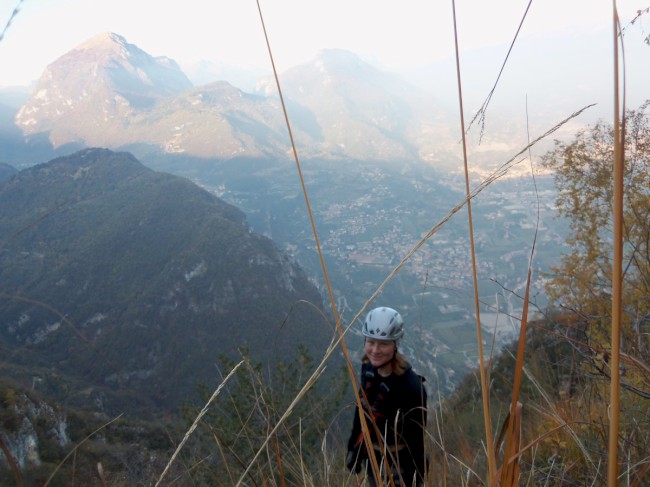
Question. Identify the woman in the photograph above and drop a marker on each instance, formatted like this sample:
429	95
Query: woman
394	403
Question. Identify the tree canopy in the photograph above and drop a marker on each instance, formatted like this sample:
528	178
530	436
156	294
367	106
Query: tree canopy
581	283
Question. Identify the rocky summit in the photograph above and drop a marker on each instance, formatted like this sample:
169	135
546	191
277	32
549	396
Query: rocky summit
87	95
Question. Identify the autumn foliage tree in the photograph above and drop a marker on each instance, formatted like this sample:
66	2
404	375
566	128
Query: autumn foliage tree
581	284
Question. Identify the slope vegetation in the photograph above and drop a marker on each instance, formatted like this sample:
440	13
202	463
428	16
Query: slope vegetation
124	285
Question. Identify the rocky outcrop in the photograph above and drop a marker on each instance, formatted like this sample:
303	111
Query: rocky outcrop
28	426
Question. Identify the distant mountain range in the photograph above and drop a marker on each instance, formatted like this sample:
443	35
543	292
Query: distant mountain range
121	286
110	93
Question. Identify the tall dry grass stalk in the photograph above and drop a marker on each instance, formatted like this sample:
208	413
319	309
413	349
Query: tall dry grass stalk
196	422
617	262
510	469
15	469
491	458
74	450
11	19
364	426
508	473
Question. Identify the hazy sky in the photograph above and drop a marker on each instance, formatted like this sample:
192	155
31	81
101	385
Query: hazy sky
392	34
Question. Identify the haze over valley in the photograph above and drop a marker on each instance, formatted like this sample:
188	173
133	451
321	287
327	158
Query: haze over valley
377	156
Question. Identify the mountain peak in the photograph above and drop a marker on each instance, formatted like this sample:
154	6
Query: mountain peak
104	40
116	45
104	71
338	56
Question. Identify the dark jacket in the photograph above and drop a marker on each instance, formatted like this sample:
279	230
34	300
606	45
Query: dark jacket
383	398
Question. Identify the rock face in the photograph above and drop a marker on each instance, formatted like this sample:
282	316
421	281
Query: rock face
28	423
122	286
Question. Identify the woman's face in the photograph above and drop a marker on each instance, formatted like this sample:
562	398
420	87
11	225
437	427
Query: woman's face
379	351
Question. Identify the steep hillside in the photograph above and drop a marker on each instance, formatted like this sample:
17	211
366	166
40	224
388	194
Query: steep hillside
216	120
6	170
122	286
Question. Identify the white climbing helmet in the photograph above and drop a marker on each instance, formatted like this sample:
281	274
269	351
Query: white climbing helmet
383	324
